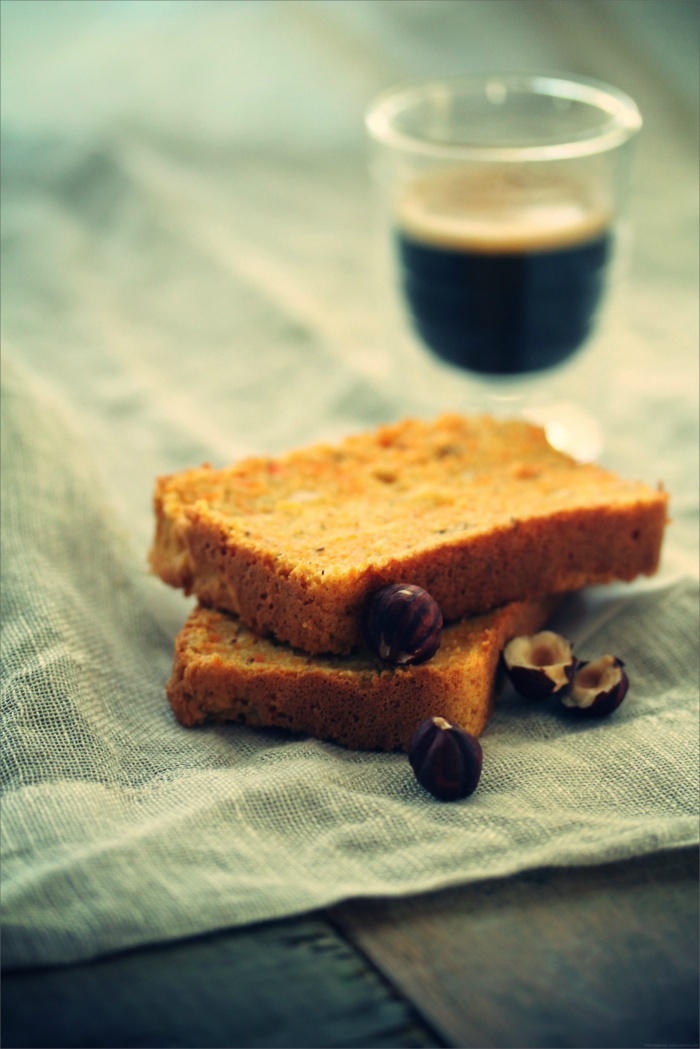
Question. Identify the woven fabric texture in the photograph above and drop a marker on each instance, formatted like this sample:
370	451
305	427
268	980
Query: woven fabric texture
188	282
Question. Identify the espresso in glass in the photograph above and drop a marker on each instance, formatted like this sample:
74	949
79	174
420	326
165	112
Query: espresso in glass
502	272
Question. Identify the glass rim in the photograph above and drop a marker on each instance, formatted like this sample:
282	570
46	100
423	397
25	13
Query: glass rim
620	116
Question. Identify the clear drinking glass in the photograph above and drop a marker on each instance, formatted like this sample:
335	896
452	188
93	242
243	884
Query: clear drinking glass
502	201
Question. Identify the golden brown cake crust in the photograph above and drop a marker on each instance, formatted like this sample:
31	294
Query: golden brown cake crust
480	512
224	672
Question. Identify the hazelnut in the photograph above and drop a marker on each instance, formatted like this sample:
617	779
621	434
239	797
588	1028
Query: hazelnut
446	760
403	624
598	687
539	665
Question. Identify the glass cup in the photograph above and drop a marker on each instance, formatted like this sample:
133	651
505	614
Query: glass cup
502	202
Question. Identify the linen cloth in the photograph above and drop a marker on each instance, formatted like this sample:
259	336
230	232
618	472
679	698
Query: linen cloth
186	277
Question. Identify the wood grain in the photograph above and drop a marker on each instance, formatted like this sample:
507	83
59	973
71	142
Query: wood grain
604	956
286	984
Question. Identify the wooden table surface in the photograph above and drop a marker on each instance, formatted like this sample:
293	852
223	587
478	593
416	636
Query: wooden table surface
603	956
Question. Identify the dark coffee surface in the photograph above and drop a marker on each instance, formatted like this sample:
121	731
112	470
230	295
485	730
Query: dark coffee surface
503	312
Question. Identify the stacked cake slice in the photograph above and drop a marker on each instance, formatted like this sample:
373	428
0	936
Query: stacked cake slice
284	553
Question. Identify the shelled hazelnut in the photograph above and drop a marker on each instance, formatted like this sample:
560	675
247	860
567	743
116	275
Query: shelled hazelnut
539	665
598	687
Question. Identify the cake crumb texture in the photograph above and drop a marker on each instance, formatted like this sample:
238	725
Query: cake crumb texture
478	511
222	672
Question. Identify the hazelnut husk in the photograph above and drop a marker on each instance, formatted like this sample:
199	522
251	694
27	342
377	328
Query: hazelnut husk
540	664
403	624
446	760
598	687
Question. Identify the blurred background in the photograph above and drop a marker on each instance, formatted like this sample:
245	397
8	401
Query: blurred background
241	69
187	214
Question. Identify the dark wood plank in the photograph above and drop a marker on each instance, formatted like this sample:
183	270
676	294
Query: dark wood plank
604	956
286	984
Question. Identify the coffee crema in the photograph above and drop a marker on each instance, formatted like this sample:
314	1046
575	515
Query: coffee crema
502	274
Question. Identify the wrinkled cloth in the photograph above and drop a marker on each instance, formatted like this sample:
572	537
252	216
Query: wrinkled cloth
187	277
